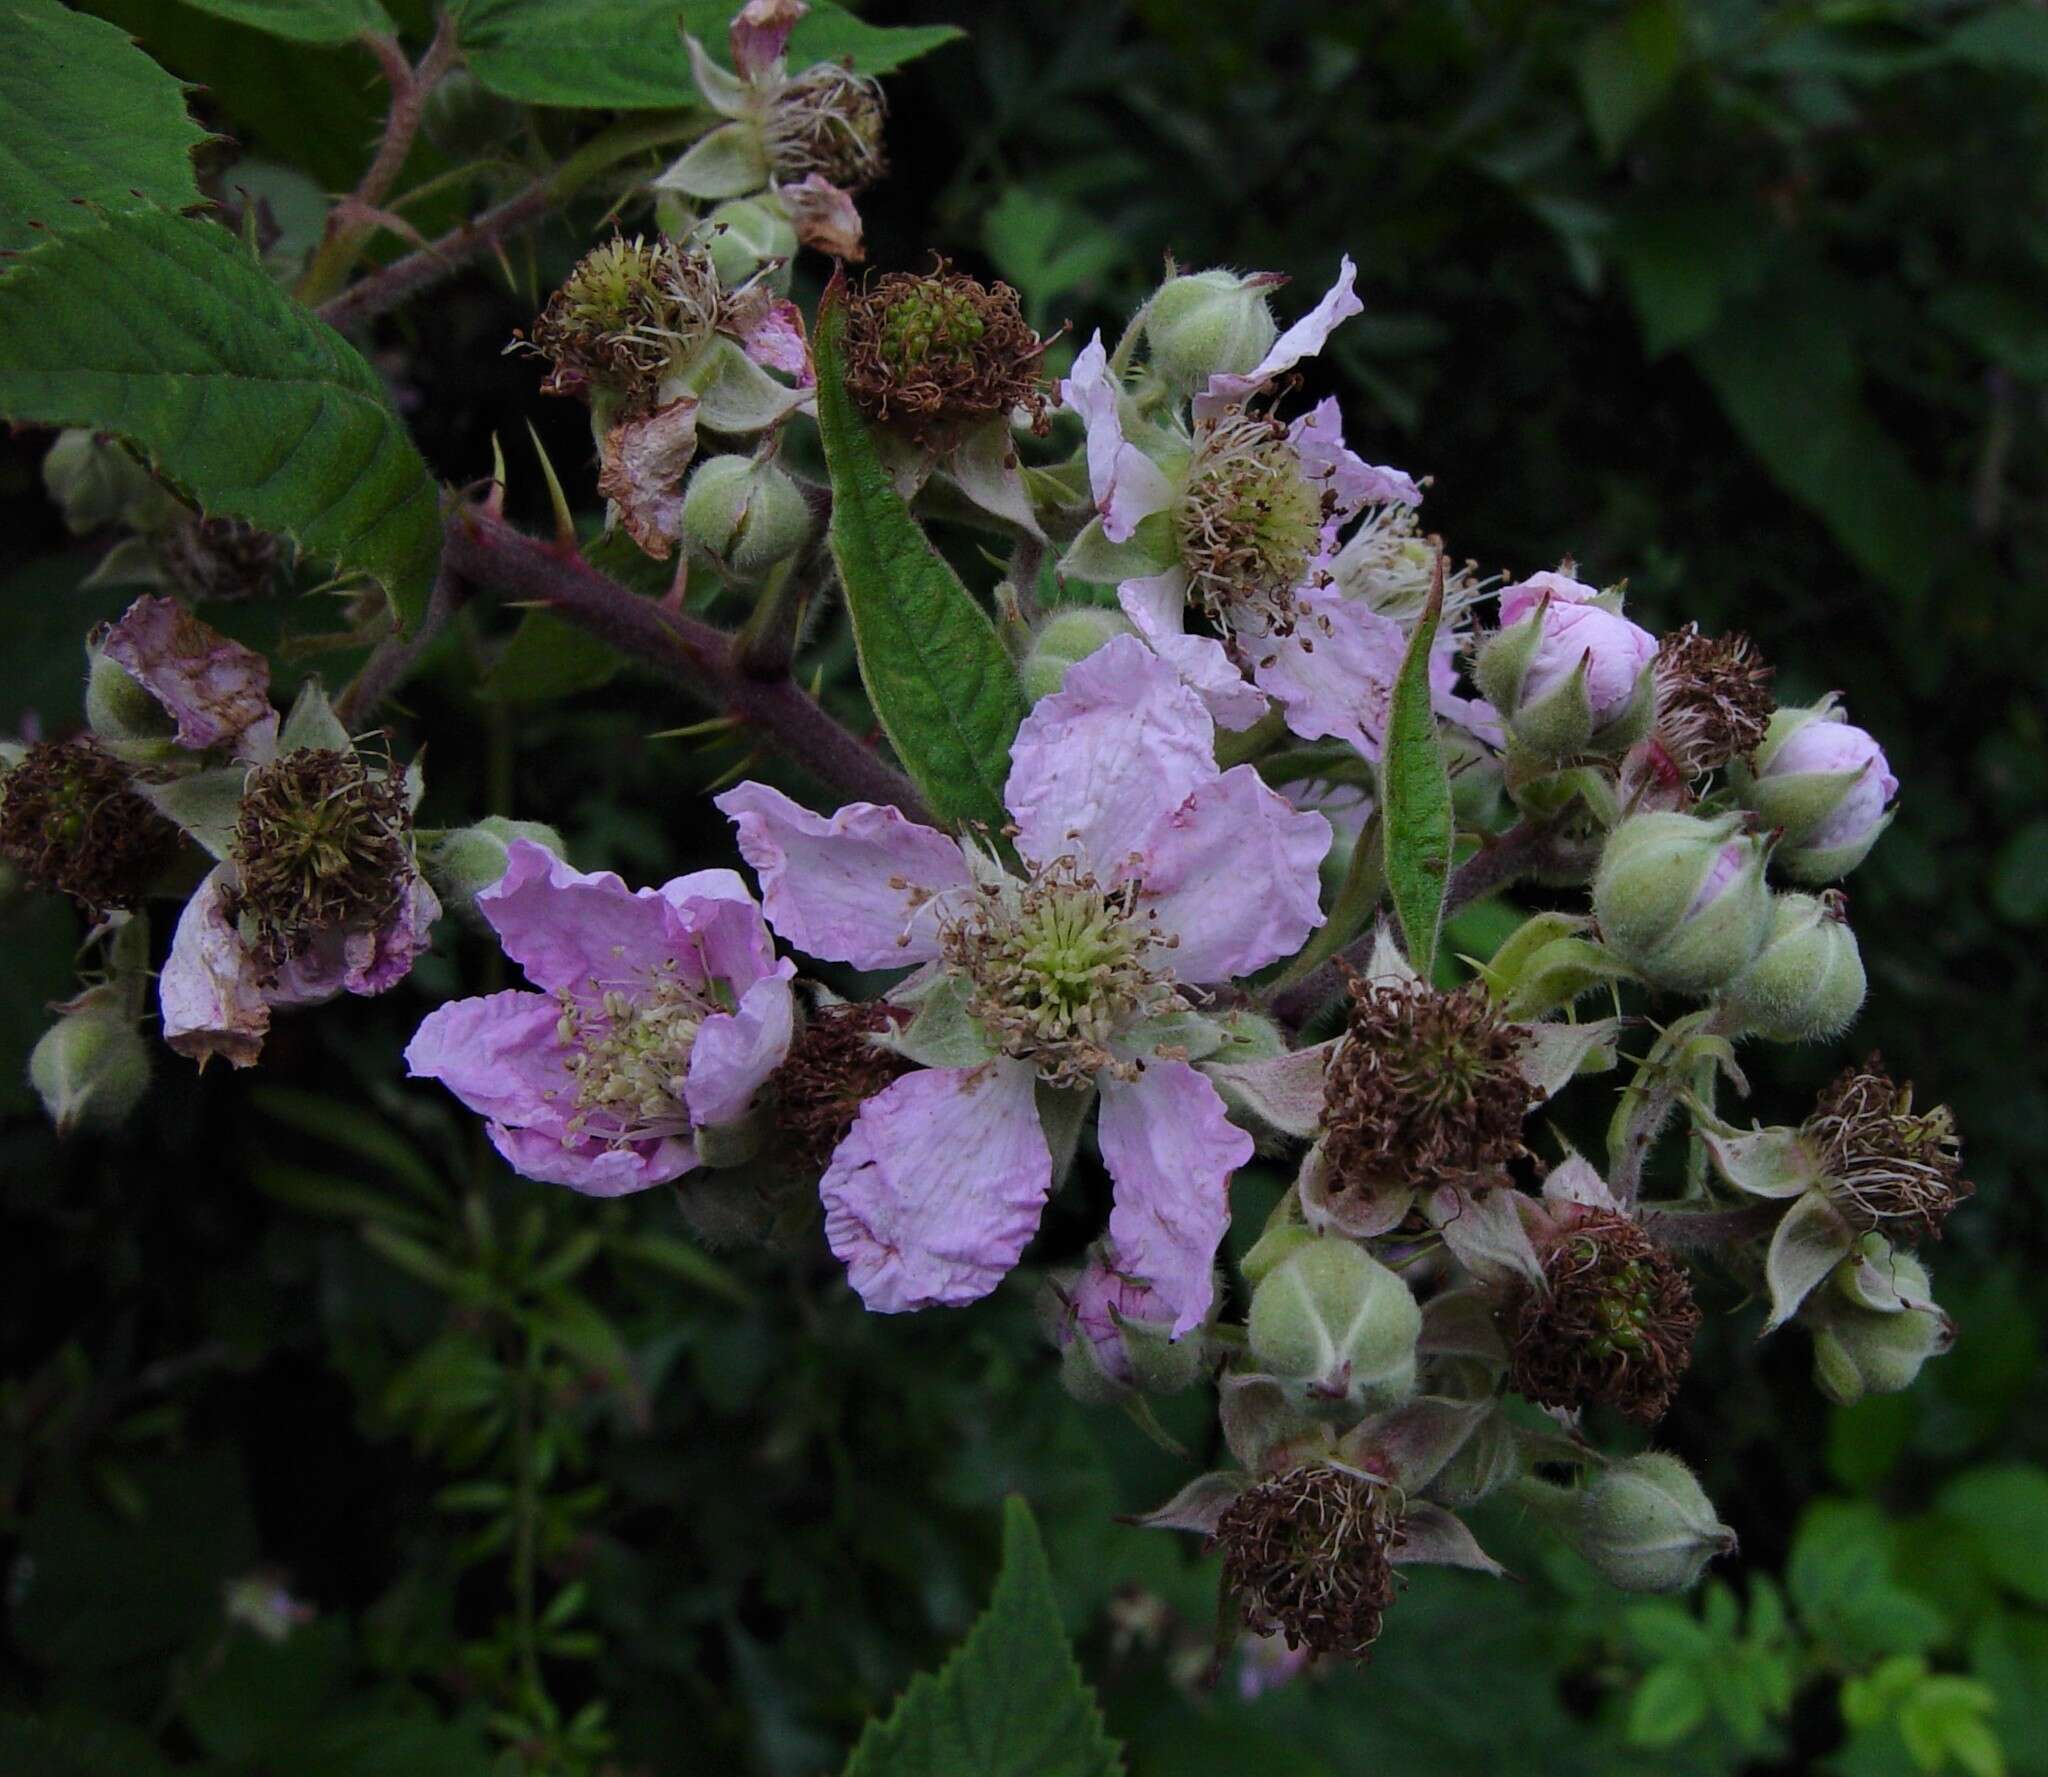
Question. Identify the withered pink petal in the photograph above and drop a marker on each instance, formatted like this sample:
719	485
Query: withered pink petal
216	690
824	217
641	466
760	33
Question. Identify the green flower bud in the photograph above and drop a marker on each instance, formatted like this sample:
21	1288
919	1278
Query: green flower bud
1115	1337
1861	1349
744	516
117	707
1808	982
466	120
1682	900
1207	323
464	861
1064	638
746	233
1647	1525
91	1068
1337	1328
95	484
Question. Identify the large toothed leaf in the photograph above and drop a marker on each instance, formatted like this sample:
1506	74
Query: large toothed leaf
84	115
940	680
1415	796
1010	1702
626	55
304	21
166	333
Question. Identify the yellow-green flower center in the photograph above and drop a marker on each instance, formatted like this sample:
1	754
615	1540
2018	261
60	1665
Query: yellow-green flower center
1248	525
629	1058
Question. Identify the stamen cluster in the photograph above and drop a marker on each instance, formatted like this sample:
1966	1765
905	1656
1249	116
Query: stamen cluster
625	314
629	1057
828	121
1307	1556
930	353
1887	1166
219	559
1713	698
70	820
1613	1323
1248	524
1427	1087
323	843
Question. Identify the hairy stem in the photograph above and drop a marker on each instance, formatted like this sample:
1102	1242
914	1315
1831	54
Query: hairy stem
392	661
1648	1101
494	557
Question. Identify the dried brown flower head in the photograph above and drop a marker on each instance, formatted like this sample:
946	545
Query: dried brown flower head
832	1069
931	353
219	559
1307	1557
627	312
1426	1088
828	121
323	843
70	820
1613	1322
1887	1166
1713	698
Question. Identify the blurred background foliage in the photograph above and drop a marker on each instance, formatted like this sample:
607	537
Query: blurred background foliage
1743	302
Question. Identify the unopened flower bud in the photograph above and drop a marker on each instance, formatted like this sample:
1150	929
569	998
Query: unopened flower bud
746	233
1682	900
1567	673
1807	983
91	1067
1859	1350
1115	1336
1209	323
933	353
464	861
744	516
1825	784
119	709
95	483
1066	637
1338	1328
1647	1525
466	120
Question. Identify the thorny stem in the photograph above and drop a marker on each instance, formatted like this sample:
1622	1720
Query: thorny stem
766	644
1685	1230
494	557
1526	849
391	663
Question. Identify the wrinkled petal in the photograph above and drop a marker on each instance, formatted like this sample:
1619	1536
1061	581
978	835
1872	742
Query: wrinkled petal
381	959
569	930
1235	876
1127	484
772	334
860	888
217	691
641	463
824	217
1101	762
1156	606
760	32
937	1188
1319	438
209	994
1303	340
1334	675
1170	1148
590	1166
735	1051
719	931
500	1054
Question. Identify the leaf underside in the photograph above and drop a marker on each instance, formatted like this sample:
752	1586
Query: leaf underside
1415	790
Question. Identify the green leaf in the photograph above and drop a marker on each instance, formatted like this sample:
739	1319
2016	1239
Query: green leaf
166	333
2006	1512
943	687
1010	1702
1415	794
1669	1703
627	55
85	115
257	1695
2009	38
346	1127
2007	327
549	658
1627	67
304	21
76	1748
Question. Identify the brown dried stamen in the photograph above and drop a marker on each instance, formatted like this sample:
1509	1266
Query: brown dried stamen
832	1069
826	120
1426	1088
1613	1323
323	843
1307	1557
70	821
1885	1165
930	354
1713	698
626	314
219	559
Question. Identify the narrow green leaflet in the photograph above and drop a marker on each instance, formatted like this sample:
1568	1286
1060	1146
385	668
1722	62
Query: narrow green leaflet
941	683
304	21
628	55
84	114
165	332
1415	796
1010	1702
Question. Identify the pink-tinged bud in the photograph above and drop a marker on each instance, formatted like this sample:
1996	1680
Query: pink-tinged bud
1567	672
1114	1335
1825	783
1682	901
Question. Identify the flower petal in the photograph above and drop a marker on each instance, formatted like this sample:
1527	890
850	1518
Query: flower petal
208	992
1107	758
735	1051
1128	486
642	461
216	690
824	217
1318	436
938	1186
1171	1148
589	1166
1156	606
758	34
719	928
499	1054
1303	340
1235	874
860	888
1334	674
772	334
570	930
